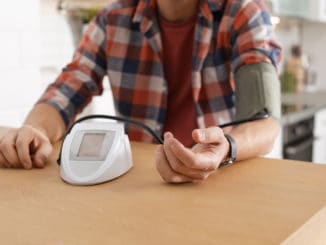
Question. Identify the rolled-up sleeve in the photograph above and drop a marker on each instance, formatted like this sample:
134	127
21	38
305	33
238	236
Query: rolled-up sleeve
251	35
82	78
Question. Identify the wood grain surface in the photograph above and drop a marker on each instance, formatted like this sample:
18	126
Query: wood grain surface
260	201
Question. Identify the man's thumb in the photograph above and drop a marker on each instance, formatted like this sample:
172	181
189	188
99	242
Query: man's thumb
208	135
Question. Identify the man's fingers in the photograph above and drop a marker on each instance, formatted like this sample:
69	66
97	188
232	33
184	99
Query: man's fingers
208	135
8	150
4	162
24	139
42	154
178	166
192	160
172	160
18	145
167	174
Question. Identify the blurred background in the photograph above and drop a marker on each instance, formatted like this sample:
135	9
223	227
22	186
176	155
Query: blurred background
39	37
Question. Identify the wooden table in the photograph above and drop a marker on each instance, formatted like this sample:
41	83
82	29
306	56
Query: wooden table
261	201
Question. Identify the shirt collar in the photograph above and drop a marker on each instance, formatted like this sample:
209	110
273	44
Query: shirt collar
146	9
215	5
209	7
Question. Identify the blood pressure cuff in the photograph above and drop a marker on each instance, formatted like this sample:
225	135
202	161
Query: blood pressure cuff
257	89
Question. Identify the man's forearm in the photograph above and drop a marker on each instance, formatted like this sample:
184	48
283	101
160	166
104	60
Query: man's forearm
47	119
255	138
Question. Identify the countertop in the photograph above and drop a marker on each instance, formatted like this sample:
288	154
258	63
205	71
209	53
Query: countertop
74	5
311	102
259	201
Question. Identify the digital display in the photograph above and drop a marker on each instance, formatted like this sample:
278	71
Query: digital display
91	145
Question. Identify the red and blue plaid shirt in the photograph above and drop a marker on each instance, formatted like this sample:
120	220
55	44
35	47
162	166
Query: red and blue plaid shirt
124	43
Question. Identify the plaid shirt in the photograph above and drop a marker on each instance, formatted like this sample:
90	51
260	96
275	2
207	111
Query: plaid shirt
124	42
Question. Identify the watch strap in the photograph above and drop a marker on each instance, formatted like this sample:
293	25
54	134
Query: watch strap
232	152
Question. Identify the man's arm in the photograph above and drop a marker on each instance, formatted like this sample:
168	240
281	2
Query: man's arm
48	120
255	138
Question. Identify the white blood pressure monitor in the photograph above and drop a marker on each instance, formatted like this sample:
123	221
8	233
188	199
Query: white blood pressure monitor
95	152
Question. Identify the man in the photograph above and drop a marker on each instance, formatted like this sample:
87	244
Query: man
180	66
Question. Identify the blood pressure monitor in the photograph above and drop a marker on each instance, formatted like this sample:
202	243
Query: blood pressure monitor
95	152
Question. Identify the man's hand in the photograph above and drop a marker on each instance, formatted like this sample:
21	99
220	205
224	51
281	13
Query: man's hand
25	147
178	164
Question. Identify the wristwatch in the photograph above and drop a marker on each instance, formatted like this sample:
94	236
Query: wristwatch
232	156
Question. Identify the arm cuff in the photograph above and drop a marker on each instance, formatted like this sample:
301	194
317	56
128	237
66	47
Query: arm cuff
257	89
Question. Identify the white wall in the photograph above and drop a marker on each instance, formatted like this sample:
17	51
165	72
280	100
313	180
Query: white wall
20	59
312	38
56	43
35	45
314	44
287	34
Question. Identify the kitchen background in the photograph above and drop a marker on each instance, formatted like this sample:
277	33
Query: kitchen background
38	39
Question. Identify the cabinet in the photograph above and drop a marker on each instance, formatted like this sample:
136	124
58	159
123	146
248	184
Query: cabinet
293	8
319	152
314	10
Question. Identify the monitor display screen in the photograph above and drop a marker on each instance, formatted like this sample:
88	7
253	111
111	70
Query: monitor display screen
91	145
